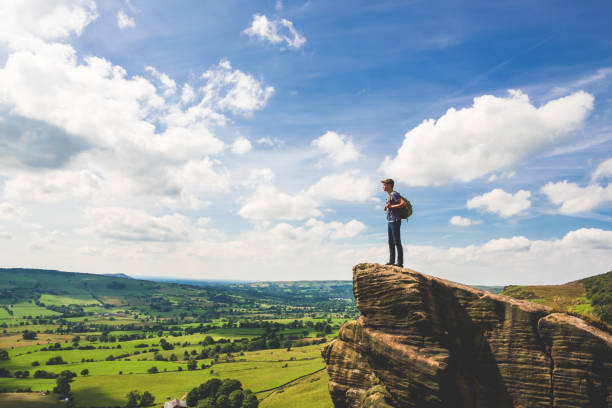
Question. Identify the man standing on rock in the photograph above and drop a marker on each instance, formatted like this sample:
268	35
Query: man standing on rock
394	221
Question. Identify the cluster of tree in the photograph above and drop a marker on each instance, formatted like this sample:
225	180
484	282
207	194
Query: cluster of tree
115	285
599	291
136	399
4	355
4	372
21	374
221	394
68	311
62	387
55	360
44	374
29	335
165	345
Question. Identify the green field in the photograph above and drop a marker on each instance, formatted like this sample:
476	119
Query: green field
59	300
29	400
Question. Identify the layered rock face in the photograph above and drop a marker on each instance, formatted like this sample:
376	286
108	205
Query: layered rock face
426	342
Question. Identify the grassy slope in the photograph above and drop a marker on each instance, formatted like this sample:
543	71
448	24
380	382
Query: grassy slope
588	297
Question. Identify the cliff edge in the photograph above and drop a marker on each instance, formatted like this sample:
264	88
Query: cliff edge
426	342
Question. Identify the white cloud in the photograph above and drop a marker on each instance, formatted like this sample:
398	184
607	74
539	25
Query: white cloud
241	145
167	83
125	21
507	244
462	221
348	186
603	170
575	199
502	176
124	224
53	186
269	141
502	203
493	134
142	138
338	148
26	22
276	31
234	90
278	6
9	211
260	176
269	203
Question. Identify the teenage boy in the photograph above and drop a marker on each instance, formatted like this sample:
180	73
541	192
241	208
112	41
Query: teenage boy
394	221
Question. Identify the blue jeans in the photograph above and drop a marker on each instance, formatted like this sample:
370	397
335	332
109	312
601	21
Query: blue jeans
395	241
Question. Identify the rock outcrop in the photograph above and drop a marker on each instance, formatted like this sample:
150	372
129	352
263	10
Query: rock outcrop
426	342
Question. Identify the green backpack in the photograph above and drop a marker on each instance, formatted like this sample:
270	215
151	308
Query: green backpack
405	211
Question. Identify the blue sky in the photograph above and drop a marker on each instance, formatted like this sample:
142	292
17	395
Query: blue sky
247	140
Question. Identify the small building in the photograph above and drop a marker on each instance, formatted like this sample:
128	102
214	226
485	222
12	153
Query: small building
175	403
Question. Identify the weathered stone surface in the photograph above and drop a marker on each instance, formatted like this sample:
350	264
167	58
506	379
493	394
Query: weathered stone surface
426	342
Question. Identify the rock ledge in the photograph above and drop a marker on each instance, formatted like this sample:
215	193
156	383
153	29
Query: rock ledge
426	342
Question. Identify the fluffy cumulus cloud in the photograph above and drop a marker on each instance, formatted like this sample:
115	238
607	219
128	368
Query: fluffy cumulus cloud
462	221
53	186
337	147
124	224
502	203
146	132
575	199
241	145
27	23
269	203
493	134
124	21
276	31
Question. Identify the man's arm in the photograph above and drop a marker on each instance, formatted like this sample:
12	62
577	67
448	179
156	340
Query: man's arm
398	205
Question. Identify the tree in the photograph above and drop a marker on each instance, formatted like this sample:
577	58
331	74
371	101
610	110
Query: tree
63	386
85	372
4	355
28	335
133	399
222	401
193	397
250	400
165	345
228	385
4	372
68	374
147	399
153	370
235	399
192	364
207	403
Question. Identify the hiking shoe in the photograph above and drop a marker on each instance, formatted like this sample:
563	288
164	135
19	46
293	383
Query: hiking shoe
400	265
390	264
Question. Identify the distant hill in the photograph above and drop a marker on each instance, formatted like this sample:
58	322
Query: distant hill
588	297
117	275
74	293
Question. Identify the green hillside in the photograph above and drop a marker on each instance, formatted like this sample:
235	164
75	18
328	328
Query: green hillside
46	293
591	298
115	335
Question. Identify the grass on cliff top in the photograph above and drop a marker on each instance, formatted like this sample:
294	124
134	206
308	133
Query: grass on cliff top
589	299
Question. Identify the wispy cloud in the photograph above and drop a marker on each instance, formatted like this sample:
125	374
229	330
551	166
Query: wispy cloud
276	31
